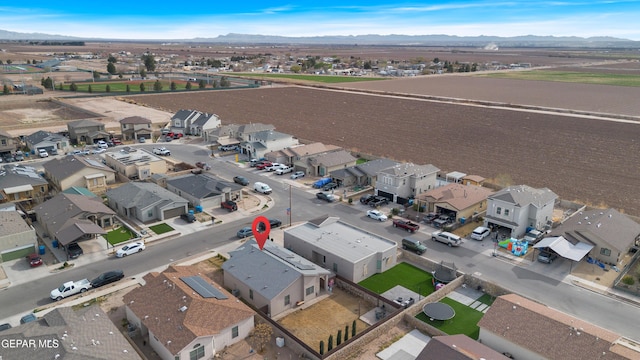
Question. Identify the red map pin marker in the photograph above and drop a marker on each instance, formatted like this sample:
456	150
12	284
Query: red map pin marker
261	237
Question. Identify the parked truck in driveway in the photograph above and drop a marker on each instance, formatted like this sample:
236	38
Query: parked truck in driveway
70	288
406	224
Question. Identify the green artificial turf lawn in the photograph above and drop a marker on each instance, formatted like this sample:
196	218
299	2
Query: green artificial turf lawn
464	322
119	235
404	274
161	228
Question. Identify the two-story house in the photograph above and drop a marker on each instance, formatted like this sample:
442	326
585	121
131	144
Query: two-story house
260	143
86	131
79	171
193	122
324	164
519	207
7	143
364	174
298	155
20	183
51	142
134	127
405	181
136	164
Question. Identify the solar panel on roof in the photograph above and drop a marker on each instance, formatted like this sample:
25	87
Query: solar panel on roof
203	288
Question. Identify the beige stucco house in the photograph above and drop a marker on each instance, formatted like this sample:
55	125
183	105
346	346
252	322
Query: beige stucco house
136	163
79	171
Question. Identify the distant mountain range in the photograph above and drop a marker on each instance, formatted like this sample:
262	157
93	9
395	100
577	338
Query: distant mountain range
400	40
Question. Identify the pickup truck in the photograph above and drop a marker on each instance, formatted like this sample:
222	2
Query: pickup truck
162	151
284	170
70	288
406	224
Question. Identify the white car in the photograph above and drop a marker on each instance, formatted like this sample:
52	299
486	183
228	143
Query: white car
480	233
98	151
376	215
297	175
273	167
132	248
283	170
102	144
43	153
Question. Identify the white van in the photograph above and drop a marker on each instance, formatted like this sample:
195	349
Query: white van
262	188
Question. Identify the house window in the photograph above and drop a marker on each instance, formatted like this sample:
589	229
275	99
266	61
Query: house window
506	212
150	213
335	267
250	294
197	352
234	332
42	189
324	259
404	181
287	300
310	290
498	210
4	142
605	252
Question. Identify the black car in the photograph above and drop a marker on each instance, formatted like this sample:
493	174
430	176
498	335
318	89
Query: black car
28	318
74	250
188	217
378	201
107	278
326	197
5	326
330	186
364	200
241	180
274	223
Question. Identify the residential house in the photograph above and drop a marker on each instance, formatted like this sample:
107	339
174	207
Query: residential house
260	143
244	132
72	218
146	202
224	135
199	317
19	183
51	142
457	347
69	333
204	189
86	131
7	143
324	164
519	207
348	251
193	122
273	279
79	171
134	127
17	238
611	233
136	163
529	330
364	174
455	199
299	155
404	181
476	180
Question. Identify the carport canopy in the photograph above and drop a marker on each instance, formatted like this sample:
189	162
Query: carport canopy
564	247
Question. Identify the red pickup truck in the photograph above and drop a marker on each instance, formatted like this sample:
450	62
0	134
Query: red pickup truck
406	224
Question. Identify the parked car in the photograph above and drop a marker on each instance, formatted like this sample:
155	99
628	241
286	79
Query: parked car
203	165
273	223
28	318
116	141
241	180
134	247
547	256
533	236
297	175
284	170
107	278
229	205
142	139
43	153
19	156
413	245
102	144
446	238
188	217
329	186
227	147
168	138
378	201
326	197
98	151
273	167
480	233
376	215
5	326
262	188
244	232
429	217
73	250
263	165
34	260
162	151
70	288
406	224
366	198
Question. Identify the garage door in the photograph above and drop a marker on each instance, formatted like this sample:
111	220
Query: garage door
17	253
171	213
386	194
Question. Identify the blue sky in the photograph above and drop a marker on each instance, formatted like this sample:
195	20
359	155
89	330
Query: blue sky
117	19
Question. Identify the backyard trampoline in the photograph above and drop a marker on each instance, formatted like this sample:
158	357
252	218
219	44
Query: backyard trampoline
438	311
445	273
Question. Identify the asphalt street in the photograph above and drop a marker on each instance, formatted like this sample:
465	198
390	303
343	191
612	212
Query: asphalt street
528	279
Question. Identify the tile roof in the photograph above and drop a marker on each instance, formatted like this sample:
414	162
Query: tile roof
12	223
457	347
41	135
135	120
333	158
410	169
523	195
56	211
12	175
547	332
457	195
202	186
62	168
267	271
143	195
157	304
83	334
600	227
372	167
312	149
269	135
84	123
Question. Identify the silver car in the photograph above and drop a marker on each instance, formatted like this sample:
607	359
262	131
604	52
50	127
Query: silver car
297	175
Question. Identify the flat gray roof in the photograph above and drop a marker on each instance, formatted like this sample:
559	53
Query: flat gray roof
347	241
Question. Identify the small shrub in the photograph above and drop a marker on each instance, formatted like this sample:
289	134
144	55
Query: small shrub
350	200
628	280
395	211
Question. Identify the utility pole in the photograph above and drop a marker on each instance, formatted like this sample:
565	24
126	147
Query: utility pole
290	210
